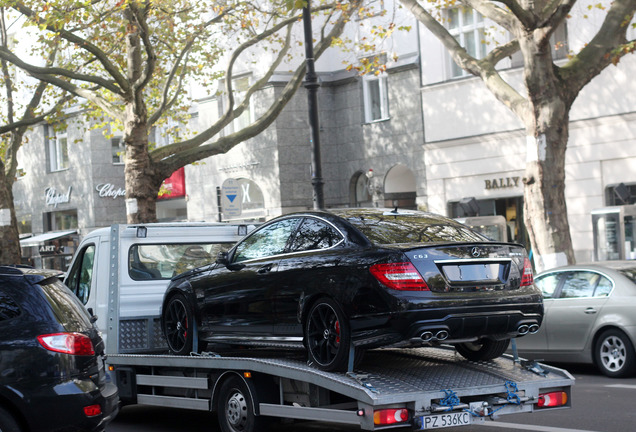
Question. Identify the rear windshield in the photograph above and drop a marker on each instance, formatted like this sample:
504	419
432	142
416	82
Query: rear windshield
629	273
414	229
68	309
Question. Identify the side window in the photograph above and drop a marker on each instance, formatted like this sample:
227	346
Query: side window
604	287
268	241
314	234
8	307
548	284
579	284
80	277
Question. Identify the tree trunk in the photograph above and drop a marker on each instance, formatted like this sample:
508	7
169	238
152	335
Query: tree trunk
9	238
547	128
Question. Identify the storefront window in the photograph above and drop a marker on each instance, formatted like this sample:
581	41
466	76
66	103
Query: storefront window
61	220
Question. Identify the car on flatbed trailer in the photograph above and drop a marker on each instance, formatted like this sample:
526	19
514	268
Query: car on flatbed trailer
424	388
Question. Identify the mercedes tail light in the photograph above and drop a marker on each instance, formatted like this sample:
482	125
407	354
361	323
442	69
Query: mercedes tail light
67	343
527	278
399	276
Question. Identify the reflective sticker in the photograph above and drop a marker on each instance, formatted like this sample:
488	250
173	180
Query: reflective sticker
5	217
131	206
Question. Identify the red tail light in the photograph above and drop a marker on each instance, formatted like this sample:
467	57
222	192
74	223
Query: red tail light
399	276
390	416
527	278
553	399
92	410
67	343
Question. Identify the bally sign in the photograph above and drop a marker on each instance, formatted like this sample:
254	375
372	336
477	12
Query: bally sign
53	198
503	183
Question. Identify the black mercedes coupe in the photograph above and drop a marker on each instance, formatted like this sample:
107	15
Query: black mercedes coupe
343	281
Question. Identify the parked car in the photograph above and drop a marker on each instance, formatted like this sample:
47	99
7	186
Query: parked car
590	317
359	277
51	357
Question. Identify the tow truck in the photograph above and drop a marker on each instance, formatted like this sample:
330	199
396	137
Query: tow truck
421	388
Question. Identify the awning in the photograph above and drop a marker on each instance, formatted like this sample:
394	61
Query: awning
40	239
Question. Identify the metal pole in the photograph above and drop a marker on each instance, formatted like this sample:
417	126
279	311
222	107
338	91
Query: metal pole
311	84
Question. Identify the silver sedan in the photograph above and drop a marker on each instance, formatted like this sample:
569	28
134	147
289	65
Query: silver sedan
590	317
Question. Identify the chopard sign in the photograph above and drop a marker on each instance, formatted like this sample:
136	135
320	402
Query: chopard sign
53	198
107	190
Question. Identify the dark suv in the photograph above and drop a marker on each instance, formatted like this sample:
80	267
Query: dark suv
52	372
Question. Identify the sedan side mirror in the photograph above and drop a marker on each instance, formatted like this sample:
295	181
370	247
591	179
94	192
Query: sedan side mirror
222	258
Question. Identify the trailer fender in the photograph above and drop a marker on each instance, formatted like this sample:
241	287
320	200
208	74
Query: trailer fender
262	389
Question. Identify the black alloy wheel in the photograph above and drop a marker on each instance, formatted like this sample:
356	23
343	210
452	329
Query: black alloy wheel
614	354
485	349
328	336
177	322
235	408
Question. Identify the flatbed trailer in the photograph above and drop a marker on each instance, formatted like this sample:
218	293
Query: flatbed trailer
425	388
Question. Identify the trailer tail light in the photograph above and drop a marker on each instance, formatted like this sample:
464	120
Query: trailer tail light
399	276
527	277
92	410
553	399
390	416
67	343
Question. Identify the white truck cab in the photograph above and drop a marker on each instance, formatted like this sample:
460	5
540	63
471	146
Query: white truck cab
125	270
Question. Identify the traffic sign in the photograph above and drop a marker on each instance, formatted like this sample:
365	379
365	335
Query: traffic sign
231	198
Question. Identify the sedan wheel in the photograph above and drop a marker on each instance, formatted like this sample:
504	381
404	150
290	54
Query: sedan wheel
328	336
177	321
486	349
614	354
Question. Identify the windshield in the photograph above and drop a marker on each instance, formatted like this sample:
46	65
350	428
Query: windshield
412	228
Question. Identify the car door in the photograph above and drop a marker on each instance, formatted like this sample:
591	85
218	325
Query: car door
573	313
312	258
538	342
236	299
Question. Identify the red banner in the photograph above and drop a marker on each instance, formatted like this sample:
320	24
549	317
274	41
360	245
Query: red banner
173	186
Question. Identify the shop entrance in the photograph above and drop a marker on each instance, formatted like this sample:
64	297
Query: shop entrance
510	208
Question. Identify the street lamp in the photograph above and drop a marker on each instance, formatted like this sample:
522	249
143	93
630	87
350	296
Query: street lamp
312	84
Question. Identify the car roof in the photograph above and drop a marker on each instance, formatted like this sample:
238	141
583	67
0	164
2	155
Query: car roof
596	265
20	270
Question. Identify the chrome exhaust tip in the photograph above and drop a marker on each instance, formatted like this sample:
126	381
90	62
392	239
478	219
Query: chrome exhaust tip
532	329
441	335
426	336
523	329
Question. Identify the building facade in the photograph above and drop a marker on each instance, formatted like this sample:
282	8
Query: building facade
420	135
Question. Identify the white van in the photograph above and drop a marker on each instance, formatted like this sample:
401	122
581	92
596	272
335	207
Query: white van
125	270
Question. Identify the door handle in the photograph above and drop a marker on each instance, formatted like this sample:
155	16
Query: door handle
590	311
265	269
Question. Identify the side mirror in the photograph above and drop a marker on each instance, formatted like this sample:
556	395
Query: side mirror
222	258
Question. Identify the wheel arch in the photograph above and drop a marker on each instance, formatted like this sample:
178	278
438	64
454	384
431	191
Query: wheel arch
185	290
13	408
597	335
261	388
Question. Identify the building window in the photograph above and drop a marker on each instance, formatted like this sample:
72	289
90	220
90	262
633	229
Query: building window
467	27
58	152
118	150
376	100
60	220
620	194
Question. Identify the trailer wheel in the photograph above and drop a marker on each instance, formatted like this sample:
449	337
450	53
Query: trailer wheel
328	336
7	422
485	349
236	408
614	354
177	325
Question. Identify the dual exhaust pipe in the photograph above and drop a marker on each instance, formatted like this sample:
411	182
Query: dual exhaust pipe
439	335
442	335
527	329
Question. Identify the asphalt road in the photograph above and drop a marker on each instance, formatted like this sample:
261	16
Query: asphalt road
600	404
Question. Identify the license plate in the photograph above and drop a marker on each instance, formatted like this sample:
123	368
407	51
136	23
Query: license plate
439	421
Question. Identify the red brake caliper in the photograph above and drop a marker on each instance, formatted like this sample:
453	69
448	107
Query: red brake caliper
338	332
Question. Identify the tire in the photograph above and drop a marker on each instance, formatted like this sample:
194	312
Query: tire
7	422
235	408
485	349
177	325
328	336
614	354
